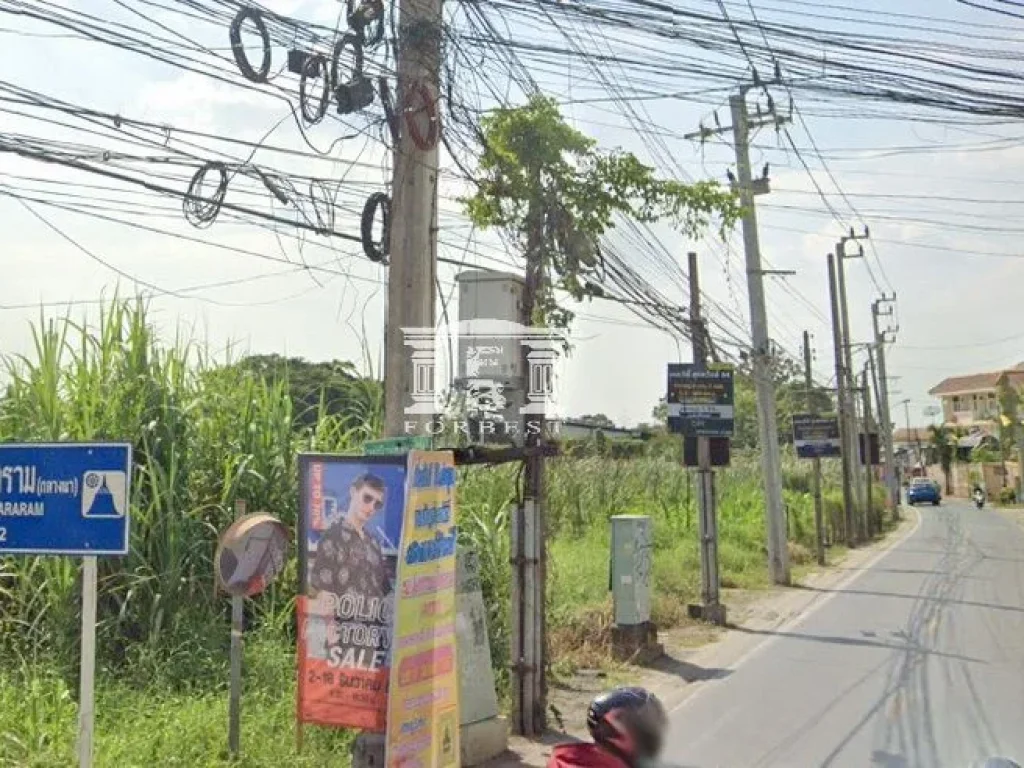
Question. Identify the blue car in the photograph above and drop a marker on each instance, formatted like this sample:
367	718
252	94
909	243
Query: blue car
922	490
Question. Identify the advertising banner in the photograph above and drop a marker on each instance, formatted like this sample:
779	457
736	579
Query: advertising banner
350	526
700	400
816	437
423	714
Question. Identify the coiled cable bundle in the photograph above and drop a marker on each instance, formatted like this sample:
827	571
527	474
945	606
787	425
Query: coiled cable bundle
313	67
376	251
201	211
238	49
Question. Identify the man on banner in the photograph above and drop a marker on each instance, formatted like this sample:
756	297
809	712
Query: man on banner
349	561
347	601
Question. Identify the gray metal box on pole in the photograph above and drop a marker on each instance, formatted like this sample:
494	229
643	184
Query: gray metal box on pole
489	367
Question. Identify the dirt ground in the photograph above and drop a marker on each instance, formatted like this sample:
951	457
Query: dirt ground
695	652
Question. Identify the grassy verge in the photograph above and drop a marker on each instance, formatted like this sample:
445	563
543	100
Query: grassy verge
138	726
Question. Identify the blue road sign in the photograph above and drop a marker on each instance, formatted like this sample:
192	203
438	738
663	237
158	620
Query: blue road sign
64	498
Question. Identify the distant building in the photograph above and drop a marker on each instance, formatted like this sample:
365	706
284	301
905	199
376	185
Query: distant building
911	446
973	400
568	429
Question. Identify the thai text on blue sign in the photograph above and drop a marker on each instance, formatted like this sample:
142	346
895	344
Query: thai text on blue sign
816	437
700	400
65	498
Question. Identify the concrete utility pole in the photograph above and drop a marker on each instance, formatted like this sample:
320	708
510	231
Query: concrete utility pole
906	414
768	430
869	510
771	466
851	408
843	403
712	609
885	417
890	471
413	238
819	516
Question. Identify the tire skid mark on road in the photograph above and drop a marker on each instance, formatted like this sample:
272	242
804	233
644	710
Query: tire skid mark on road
913	731
797	734
819	601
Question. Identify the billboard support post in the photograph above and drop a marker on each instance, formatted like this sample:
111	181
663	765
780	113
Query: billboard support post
87	671
237	627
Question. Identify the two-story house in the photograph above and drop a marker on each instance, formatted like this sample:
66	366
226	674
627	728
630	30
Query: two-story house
973	401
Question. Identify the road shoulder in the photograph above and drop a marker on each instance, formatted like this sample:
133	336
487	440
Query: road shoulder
697	654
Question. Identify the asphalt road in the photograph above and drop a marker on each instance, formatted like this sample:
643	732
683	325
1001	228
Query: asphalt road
917	662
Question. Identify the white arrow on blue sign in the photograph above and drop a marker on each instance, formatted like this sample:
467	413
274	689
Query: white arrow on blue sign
65	498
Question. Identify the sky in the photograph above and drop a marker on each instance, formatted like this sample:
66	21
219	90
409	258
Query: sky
955	267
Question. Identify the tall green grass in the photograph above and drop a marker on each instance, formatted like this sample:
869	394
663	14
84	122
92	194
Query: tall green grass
206	433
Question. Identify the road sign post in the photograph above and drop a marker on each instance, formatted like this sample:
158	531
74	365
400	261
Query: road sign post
700	401
68	499
87	671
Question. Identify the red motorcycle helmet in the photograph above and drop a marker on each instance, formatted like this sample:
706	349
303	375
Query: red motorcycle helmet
629	722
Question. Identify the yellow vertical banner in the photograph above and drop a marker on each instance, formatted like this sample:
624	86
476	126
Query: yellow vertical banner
423	698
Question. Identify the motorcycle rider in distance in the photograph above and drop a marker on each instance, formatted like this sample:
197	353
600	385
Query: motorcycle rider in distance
979	496
628	728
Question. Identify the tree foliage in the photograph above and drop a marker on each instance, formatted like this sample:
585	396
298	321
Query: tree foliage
1009	412
944	442
550	186
317	389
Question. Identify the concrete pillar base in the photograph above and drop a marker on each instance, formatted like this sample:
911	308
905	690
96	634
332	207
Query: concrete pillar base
637	642
482	741
368	750
713	614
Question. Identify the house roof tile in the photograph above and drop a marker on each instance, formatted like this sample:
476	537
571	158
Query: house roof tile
976	382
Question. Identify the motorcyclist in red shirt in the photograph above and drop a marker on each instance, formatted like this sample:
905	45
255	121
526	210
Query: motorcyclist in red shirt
628	727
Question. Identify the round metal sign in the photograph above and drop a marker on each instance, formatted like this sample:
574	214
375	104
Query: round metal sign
250	554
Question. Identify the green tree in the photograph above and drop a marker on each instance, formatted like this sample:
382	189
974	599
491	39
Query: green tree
327	388
556	193
943	440
660	412
1009	416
